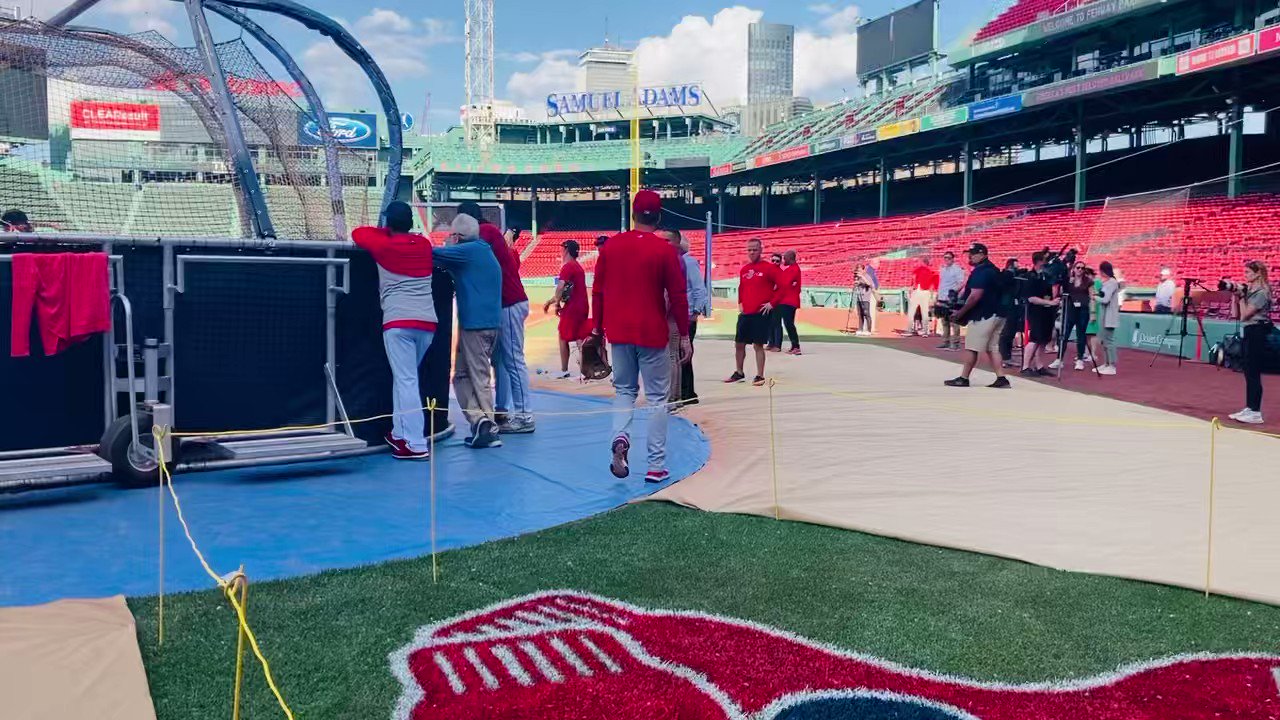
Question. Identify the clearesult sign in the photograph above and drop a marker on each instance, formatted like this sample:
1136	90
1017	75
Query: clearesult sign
825	146
1217	54
670	96
354	130
95	119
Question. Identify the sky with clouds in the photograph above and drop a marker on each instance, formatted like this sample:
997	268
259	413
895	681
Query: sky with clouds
419	44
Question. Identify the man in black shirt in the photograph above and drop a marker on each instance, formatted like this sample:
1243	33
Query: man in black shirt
981	312
1011	309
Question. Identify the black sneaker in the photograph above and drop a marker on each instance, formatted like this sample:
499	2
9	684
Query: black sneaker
957	382
484	436
736	377
758	381
1029	372
1001	382
1046	372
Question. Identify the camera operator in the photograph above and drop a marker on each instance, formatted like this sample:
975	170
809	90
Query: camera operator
1252	300
981	312
950	284
1012	309
1042	304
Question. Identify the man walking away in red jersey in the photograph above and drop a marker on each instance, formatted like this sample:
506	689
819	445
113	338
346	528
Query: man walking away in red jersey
408	320
570	299
637	275
759	290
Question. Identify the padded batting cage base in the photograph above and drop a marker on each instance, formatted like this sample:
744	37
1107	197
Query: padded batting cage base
869	439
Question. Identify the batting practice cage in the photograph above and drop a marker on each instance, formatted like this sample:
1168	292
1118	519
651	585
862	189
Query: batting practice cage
216	200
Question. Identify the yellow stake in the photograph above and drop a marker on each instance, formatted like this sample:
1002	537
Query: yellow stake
158	434
431	461
241	582
773	453
1214	424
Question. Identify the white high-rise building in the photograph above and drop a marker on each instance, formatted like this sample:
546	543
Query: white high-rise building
606	68
770	74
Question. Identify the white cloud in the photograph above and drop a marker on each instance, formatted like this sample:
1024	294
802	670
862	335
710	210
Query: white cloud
398	44
714	52
523	57
147	15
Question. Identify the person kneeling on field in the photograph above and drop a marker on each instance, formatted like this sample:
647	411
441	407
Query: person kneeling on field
408	320
981	312
479	279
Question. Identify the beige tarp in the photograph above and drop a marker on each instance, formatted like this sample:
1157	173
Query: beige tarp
868	438
72	659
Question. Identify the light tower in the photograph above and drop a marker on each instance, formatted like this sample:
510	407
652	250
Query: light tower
481	126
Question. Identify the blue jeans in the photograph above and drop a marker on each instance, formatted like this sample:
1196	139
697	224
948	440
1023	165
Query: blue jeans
631	363
405	350
510	371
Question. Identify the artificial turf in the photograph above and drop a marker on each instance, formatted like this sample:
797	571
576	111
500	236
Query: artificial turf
328	636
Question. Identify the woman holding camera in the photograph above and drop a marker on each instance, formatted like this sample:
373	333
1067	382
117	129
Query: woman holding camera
1253	303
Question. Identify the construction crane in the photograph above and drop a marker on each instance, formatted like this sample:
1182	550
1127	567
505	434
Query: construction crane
480	125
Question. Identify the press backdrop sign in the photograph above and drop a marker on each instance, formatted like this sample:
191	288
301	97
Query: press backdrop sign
670	96
354	130
97	120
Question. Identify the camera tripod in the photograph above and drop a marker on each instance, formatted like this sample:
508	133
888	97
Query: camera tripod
1187	304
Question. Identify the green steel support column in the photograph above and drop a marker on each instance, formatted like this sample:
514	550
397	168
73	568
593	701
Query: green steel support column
884	188
817	198
724	192
1081	148
968	174
764	204
1235	150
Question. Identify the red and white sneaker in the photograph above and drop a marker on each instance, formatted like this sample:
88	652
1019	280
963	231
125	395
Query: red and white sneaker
794	351
404	453
657	476
392	440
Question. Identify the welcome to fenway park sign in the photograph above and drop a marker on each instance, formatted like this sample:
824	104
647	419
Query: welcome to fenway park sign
571	656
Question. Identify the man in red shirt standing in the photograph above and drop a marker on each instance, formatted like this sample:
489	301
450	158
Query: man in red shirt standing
759	291
637	275
924	285
570	299
785	314
408	320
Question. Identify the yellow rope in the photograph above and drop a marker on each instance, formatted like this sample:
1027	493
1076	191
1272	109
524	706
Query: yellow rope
243	583
159	438
227	589
1214	425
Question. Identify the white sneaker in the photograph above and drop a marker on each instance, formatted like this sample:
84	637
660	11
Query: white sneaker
1105	370
1250	417
1079	365
1238	415
1057	363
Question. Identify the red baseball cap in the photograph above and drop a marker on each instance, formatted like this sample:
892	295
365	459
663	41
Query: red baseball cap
646	201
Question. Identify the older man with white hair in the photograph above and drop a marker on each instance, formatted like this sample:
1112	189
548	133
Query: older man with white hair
478	278
1165	292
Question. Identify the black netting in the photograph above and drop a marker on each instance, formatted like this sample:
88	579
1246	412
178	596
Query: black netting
118	135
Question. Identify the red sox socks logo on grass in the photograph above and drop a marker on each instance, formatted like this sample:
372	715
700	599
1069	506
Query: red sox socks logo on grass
572	656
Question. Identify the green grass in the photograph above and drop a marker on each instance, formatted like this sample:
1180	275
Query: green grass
328	636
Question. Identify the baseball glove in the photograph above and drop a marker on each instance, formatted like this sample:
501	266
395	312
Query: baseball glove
595	366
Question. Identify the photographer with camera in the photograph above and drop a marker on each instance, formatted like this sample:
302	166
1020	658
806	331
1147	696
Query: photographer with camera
1012	309
1042	294
981	312
1252	300
950	284
1079	298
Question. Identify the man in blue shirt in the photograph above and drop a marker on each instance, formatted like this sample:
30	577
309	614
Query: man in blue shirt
981	312
478	277
696	291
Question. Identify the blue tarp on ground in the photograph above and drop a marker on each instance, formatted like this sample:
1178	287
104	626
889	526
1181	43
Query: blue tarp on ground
287	521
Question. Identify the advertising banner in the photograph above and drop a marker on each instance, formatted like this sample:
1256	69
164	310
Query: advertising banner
1089	14
93	119
1089	84
995	107
825	146
947	118
1217	54
354	130
1269	39
718	170
898	129
781	156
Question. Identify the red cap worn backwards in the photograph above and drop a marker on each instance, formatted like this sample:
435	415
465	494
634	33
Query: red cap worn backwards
646	201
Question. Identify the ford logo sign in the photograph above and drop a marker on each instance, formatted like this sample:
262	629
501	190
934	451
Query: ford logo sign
346	131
